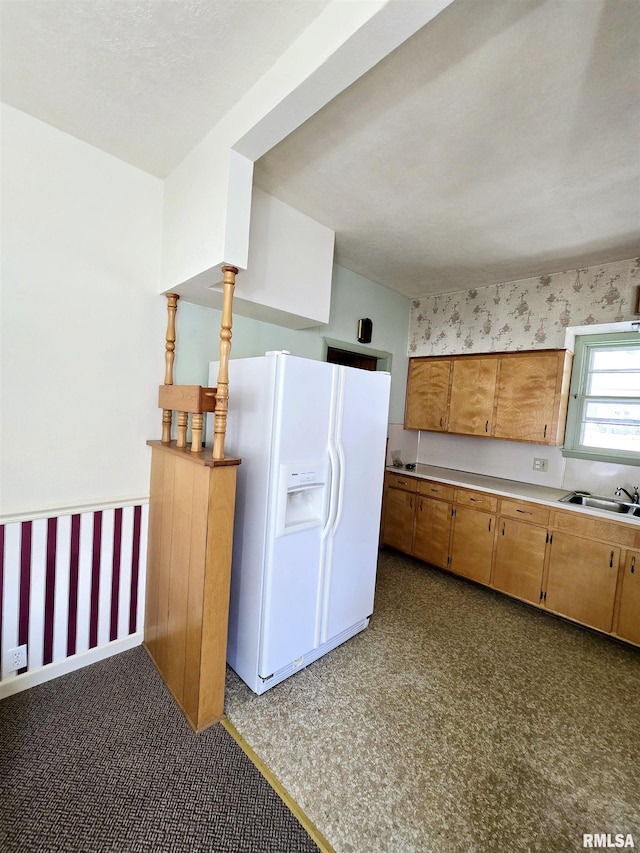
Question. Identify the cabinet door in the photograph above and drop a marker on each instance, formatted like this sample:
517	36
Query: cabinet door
398	519
427	394
629	616
527	405
582	579
432	529
519	559
473	386
472	543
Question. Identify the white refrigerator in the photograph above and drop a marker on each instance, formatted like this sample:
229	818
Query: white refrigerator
312	439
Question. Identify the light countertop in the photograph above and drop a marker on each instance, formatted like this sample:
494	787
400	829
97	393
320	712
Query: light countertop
507	488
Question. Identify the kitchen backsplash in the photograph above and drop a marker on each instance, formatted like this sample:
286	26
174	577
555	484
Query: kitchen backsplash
513	460
532	313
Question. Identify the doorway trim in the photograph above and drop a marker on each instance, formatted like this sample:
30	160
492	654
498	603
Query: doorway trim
384	358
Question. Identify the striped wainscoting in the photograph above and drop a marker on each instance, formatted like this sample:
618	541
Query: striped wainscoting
71	589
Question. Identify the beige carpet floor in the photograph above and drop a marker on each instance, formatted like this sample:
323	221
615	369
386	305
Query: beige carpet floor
460	721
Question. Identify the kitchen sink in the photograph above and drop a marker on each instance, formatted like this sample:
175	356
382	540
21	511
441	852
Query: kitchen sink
601	502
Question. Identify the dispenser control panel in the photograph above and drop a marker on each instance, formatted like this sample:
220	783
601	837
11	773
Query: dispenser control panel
304	478
302	497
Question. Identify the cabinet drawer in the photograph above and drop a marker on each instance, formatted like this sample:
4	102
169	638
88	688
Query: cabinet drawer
524	511
476	500
592	527
400	481
435	490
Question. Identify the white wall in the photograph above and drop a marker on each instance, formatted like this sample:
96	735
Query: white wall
288	279
513	460
82	324
353	297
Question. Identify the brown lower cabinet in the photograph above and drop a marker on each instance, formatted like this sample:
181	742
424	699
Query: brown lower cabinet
398	519
432	531
582	580
629	614
472	543
519	559
576	565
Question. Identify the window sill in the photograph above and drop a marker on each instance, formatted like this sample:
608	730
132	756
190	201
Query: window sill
604	456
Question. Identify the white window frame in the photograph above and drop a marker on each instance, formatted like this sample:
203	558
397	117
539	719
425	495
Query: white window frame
584	347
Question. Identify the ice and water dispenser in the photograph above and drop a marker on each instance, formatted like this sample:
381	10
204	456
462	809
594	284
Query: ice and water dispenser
302	497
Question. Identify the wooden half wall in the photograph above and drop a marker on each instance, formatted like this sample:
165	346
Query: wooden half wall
189	562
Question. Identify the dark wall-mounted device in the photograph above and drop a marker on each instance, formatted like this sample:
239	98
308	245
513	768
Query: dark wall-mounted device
365	330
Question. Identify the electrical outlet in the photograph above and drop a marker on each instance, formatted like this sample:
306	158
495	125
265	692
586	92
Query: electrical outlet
15	659
540	464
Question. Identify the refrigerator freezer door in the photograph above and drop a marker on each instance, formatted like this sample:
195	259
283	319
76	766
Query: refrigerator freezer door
304	412
252	383
360	436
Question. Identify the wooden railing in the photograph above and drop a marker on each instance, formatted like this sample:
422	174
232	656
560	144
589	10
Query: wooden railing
195	400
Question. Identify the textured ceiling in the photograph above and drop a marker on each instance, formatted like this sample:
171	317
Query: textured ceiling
500	142
144	80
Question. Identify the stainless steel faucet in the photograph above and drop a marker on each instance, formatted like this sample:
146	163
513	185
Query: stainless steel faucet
634	498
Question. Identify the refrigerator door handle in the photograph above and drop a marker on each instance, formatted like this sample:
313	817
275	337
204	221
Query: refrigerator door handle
334	468
340	490
337	442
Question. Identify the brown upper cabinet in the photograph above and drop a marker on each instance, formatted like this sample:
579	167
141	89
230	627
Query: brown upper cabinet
473	391
519	396
428	385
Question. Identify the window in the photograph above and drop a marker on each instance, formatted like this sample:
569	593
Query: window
603	420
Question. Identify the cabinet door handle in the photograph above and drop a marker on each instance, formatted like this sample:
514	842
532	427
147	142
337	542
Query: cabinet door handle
503	523
476	500
410	503
633	565
402	482
420	504
489	525
544	435
486	426
524	511
611	561
441	424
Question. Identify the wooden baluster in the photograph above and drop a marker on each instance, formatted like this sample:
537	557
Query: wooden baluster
222	391
166	426
170	346
183	420
196	433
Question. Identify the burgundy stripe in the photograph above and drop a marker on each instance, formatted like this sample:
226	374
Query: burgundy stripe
49	589
95	579
115	574
25	587
135	570
74	562
1	582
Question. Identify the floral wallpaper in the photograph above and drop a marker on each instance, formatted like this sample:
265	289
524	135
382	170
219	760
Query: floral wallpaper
532	313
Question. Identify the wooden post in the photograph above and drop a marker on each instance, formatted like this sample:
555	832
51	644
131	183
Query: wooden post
170	346
222	392
183	422
196	433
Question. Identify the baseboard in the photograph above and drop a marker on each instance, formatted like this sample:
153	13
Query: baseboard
62	667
